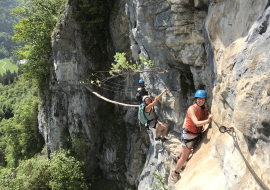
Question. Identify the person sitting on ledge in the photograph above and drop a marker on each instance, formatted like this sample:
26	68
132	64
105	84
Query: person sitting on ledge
151	116
196	118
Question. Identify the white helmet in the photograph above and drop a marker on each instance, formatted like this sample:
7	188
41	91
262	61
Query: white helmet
145	97
139	89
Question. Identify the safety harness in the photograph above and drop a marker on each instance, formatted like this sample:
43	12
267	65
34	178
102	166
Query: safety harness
197	139
149	121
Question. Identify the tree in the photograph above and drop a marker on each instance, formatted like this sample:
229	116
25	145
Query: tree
19	135
66	172
37	19
6	30
123	68
62	172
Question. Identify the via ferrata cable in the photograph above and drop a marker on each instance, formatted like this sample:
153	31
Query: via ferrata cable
232	133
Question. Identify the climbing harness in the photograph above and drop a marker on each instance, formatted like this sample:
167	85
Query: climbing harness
232	133
185	141
147	124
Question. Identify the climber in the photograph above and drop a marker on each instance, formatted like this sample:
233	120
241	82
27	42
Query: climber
196	118
139	96
151	115
143	91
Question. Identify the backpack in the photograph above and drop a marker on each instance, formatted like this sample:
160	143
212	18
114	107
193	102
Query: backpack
143	120
141	115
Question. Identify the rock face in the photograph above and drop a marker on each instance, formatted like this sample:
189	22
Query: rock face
219	46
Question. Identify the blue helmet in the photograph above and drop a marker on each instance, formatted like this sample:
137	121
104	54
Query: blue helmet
200	94
141	81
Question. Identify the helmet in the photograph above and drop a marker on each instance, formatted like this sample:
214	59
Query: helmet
139	89
145	97
200	93
141	81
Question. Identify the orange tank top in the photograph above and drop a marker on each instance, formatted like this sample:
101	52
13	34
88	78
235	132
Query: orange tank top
189	123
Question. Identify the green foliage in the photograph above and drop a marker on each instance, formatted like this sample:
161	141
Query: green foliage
62	172
66	172
32	174
122	65
19	134
6	30
14	60
161	182
37	19
78	146
8	77
7	178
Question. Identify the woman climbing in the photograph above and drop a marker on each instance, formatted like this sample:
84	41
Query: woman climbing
196	118
151	116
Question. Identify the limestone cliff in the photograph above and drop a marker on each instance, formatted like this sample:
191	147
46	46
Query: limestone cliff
219	46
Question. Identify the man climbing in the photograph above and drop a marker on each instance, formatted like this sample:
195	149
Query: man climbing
196	118
152	116
143	91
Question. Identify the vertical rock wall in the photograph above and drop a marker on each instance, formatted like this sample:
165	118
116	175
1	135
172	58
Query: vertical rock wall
238	33
170	33
223	44
219	46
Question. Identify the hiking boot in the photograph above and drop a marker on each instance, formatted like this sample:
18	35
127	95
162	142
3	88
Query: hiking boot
164	139
157	139
176	158
176	176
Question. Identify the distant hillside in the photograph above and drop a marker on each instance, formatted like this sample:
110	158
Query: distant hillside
6	30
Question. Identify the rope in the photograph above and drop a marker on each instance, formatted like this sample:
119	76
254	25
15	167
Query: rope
102	97
233	135
106	99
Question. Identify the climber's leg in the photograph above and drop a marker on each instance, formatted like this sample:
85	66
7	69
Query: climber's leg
161	127
184	156
180	154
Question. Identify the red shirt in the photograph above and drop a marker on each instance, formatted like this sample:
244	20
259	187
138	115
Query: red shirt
189	123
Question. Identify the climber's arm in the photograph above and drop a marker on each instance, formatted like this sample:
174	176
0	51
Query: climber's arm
149	106
192	115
